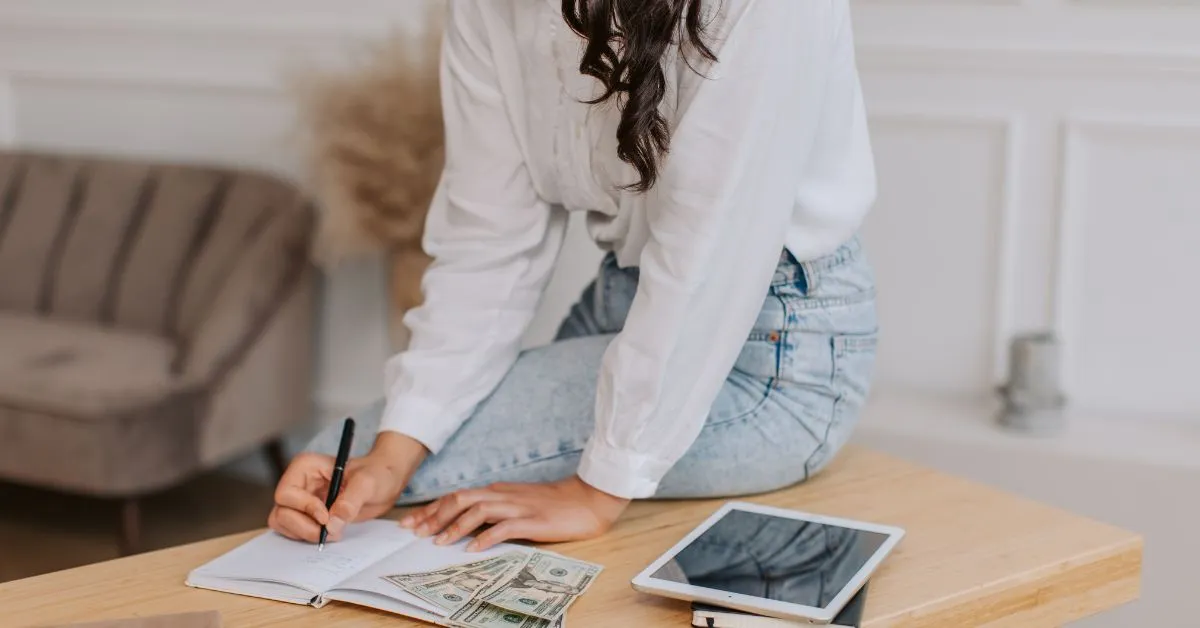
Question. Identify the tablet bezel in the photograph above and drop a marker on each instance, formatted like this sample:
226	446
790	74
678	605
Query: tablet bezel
646	583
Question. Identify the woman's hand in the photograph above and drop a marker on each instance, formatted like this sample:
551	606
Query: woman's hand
567	510
370	487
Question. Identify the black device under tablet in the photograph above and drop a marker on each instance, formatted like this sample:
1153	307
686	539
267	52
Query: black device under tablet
709	616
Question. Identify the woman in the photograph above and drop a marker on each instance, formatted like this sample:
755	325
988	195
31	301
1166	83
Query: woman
720	150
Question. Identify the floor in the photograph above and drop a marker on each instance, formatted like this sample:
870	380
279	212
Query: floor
42	531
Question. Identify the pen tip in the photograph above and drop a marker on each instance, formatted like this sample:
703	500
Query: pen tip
321	547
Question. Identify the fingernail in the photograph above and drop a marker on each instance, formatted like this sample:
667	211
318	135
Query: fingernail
423	530
441	538
473	546
406	522
336	526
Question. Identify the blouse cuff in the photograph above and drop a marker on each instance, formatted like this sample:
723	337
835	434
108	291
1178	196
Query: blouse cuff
420	419
620	472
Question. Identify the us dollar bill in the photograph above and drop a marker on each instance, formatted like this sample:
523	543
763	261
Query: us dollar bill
452	587
543	586
406	579
479	614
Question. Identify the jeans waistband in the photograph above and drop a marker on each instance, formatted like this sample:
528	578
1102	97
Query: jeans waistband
790	270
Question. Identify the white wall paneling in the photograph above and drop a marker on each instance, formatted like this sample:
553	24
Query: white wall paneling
995	62
8	117
1128	253
1107	27
173	121
937	240
1037	83
347	17
968	103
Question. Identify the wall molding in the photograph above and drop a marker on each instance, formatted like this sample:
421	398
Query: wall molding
284	19
315	26
1010	130
1134	4
8	113
926	59
217	73
939	3
1077	129
118	79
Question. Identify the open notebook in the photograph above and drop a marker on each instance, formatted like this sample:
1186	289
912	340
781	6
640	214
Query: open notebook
351	570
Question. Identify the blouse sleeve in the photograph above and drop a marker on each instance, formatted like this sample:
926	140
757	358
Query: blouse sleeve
494	243
717	223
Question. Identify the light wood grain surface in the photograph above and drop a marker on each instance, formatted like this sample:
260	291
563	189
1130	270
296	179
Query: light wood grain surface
973	556
207	619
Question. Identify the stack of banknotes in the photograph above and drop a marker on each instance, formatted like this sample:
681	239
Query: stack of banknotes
517	589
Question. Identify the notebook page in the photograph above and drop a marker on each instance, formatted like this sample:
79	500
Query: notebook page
274	558
420	556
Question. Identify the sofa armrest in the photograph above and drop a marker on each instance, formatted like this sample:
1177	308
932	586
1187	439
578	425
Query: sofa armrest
261	281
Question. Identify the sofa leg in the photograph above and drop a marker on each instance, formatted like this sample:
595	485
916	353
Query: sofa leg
275	456
131	526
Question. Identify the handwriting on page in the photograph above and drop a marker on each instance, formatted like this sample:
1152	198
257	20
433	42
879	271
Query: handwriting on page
332	564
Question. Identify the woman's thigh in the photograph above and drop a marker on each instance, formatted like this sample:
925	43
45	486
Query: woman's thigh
535	425
532	428
786	409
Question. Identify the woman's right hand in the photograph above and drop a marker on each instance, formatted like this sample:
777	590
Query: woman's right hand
370	487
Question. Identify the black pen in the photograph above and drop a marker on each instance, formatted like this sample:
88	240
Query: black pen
339	467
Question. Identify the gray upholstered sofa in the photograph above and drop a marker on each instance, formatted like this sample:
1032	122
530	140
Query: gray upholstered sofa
156	320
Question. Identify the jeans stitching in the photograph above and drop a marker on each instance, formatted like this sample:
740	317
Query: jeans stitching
834	411
750	413
824	442
848	253
842	347
781	343
816	303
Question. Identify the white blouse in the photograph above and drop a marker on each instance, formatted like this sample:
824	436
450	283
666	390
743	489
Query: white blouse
769	149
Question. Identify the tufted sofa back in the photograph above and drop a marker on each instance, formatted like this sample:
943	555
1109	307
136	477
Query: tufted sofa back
134	245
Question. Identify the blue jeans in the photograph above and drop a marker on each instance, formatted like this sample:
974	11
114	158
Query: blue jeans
788	406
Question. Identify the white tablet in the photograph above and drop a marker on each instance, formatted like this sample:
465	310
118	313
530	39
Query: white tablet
772	562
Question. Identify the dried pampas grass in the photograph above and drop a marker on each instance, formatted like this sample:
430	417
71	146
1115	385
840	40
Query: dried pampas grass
372	143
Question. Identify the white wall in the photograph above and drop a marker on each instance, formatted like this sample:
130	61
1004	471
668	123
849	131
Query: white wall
1037	167
1038	163
1034	160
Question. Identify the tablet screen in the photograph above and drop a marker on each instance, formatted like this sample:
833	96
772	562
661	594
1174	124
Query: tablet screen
776	558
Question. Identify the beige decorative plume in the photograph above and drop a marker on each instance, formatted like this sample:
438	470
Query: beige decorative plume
373	149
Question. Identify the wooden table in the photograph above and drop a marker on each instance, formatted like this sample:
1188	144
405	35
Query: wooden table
973	556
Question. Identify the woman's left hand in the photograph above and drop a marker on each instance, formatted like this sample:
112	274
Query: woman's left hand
567	510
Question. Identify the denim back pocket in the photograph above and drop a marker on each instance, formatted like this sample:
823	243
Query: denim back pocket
761	355
827	353
853	369
854	366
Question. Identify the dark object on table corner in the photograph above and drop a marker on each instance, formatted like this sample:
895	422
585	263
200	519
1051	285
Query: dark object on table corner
850	617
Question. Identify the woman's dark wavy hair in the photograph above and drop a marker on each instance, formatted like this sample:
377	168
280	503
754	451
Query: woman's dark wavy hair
626	42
